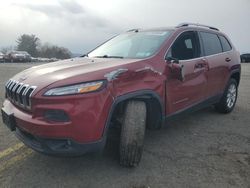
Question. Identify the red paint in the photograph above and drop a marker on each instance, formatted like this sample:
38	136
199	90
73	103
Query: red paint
204	77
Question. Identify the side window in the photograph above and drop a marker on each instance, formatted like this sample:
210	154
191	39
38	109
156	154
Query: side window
185	47
225	44
211	43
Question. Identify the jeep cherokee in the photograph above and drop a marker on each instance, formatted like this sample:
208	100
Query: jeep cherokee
140	78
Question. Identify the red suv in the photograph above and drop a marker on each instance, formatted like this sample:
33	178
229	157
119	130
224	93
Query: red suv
135	80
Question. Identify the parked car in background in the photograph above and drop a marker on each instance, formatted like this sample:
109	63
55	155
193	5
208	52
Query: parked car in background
34	59
245	58
1	57
17	56
47	60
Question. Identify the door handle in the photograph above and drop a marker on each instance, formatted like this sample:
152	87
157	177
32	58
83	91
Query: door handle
228	59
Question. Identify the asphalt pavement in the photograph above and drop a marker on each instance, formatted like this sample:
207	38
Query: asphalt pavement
202	149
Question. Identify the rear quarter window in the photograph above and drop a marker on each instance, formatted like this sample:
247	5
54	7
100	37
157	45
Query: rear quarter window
225	44
211	43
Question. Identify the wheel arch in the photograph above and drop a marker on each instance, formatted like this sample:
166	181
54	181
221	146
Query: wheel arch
236	75
154	104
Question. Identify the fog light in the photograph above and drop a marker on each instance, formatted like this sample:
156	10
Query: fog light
56	115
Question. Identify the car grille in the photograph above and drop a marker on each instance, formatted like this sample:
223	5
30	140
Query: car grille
19	93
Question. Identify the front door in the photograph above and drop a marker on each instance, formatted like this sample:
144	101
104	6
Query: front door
181	94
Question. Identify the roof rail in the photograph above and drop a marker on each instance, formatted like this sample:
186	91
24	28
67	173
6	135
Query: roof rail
133	30
197	25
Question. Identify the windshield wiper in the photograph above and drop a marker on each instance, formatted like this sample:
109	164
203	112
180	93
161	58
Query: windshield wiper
107	56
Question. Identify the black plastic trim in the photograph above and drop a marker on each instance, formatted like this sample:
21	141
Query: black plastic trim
198	106
58	147
133	95
235	71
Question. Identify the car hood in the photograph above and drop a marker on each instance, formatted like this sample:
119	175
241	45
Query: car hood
87	68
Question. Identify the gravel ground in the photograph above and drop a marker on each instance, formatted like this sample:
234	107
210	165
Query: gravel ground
203	149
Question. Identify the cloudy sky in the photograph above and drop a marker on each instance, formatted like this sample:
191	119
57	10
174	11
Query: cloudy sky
82	24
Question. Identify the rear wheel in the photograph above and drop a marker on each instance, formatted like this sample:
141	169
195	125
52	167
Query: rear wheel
132	133
229	98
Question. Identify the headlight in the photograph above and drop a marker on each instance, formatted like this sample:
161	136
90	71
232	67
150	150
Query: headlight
75	89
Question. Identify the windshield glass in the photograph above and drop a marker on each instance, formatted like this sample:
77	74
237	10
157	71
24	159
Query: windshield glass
137	45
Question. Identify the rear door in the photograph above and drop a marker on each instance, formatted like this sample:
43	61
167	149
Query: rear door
190	91
217	61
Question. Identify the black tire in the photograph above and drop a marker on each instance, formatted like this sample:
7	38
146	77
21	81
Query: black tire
224	106
132	133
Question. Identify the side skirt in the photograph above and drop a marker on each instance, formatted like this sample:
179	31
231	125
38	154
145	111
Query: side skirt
200	105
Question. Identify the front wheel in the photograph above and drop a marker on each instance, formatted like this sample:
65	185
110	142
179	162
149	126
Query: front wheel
132	133
229	97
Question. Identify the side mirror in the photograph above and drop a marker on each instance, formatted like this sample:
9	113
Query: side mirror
176	68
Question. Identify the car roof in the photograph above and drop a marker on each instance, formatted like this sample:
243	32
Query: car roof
159	29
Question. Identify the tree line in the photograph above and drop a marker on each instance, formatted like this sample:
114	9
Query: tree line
32	44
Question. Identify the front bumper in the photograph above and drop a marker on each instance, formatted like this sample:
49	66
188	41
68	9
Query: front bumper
87	117
58	147
84	132
53	138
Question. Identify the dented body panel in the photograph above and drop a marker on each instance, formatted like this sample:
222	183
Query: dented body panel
89	114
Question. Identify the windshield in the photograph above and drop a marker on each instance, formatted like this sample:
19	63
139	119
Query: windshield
132	45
